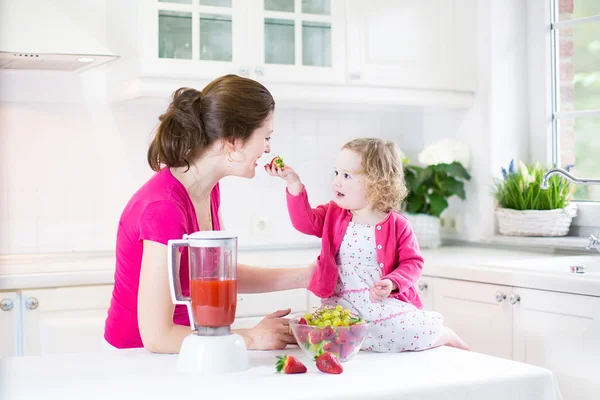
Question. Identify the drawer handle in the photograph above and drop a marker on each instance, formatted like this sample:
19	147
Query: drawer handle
514	299
422	286
240	298
500	297
32	303
6	304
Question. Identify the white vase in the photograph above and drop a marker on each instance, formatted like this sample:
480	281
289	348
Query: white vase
427	228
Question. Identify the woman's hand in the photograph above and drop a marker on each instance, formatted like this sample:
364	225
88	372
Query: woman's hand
288	174
272	333
381	290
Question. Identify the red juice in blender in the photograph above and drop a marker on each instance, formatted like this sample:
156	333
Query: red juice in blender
214	301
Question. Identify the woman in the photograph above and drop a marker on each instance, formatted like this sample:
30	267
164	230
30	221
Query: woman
202	137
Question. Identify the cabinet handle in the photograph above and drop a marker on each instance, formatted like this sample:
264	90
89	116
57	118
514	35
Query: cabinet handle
259	71
355	76
422	286
6	304
500	296
32	303
243	71
240	298
514	299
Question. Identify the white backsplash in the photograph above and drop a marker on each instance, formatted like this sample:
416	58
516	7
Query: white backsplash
69	168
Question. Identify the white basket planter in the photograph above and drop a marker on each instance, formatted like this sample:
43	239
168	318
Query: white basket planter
427	229
536	222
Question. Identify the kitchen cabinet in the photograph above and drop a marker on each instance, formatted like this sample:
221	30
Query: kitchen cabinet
479	313
271	40
261	304
554	330
10	323
425	289
561	332
397	52
428	44
64	320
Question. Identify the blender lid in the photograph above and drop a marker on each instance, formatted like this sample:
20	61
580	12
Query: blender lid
208	235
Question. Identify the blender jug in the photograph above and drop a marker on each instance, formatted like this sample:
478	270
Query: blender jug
211	304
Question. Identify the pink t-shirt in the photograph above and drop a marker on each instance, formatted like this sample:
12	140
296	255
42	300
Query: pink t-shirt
159	211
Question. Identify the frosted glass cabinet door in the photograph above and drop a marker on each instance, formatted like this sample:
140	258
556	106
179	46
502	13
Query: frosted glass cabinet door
302	41
174	34
194	38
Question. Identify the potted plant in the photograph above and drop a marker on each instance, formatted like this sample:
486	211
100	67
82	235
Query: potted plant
524	209
441	175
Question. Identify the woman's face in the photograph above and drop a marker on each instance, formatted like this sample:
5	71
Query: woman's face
245	159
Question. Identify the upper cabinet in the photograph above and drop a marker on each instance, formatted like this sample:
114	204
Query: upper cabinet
328	50
423	44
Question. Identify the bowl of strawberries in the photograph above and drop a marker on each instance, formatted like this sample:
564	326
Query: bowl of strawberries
330	329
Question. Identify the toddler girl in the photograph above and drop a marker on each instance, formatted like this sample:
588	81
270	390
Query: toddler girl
370	258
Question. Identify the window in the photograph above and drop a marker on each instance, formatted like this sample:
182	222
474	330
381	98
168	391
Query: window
575	40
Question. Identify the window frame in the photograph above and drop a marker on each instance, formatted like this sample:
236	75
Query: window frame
588	219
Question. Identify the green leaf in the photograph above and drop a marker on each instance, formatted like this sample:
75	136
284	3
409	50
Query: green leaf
438	203
455	169
451	187
415	204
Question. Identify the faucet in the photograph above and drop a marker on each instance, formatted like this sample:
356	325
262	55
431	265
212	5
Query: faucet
594	240
568	176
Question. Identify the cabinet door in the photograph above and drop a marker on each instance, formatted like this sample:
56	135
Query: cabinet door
9	324
425	289
64	320
298	41
197	39
560	332
479	313
402	43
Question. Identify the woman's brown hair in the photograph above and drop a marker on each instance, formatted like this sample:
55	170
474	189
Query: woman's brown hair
229	108
382	166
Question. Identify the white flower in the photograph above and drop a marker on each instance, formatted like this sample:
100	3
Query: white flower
446	151
527	178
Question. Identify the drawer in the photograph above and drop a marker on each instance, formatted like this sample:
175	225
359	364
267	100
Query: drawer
260	304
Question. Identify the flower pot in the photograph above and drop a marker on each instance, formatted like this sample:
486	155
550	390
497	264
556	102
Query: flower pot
536	222
427	229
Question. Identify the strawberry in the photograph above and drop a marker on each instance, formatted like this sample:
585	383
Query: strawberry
303	332
277	162
302	321
315	336
289	365
344	336
329	364
332	347
346	350
328	333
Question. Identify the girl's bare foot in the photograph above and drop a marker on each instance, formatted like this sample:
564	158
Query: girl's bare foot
450	338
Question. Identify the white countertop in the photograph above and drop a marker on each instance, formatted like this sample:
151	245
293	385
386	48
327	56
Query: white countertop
441	373
534	270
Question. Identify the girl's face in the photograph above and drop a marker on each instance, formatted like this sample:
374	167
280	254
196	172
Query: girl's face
349	186
245	160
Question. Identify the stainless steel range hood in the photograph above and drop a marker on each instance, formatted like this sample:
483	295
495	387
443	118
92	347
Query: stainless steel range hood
35	34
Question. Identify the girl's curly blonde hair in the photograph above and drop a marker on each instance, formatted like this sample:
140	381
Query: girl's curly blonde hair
382	166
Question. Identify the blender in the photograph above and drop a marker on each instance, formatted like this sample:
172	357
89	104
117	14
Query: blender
211	348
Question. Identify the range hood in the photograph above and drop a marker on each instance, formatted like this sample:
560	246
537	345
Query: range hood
36	34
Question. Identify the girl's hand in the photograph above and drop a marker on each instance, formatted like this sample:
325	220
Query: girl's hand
381	290
272	333
288	175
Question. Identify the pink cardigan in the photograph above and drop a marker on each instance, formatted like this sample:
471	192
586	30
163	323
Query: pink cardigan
397	248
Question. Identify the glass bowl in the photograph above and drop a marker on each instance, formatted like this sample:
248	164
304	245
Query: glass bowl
343	341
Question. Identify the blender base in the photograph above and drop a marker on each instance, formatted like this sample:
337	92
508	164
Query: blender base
209	355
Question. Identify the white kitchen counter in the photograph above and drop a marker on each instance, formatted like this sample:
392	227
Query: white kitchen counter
441	373
534	270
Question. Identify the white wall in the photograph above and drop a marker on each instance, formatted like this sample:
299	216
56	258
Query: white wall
69	164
